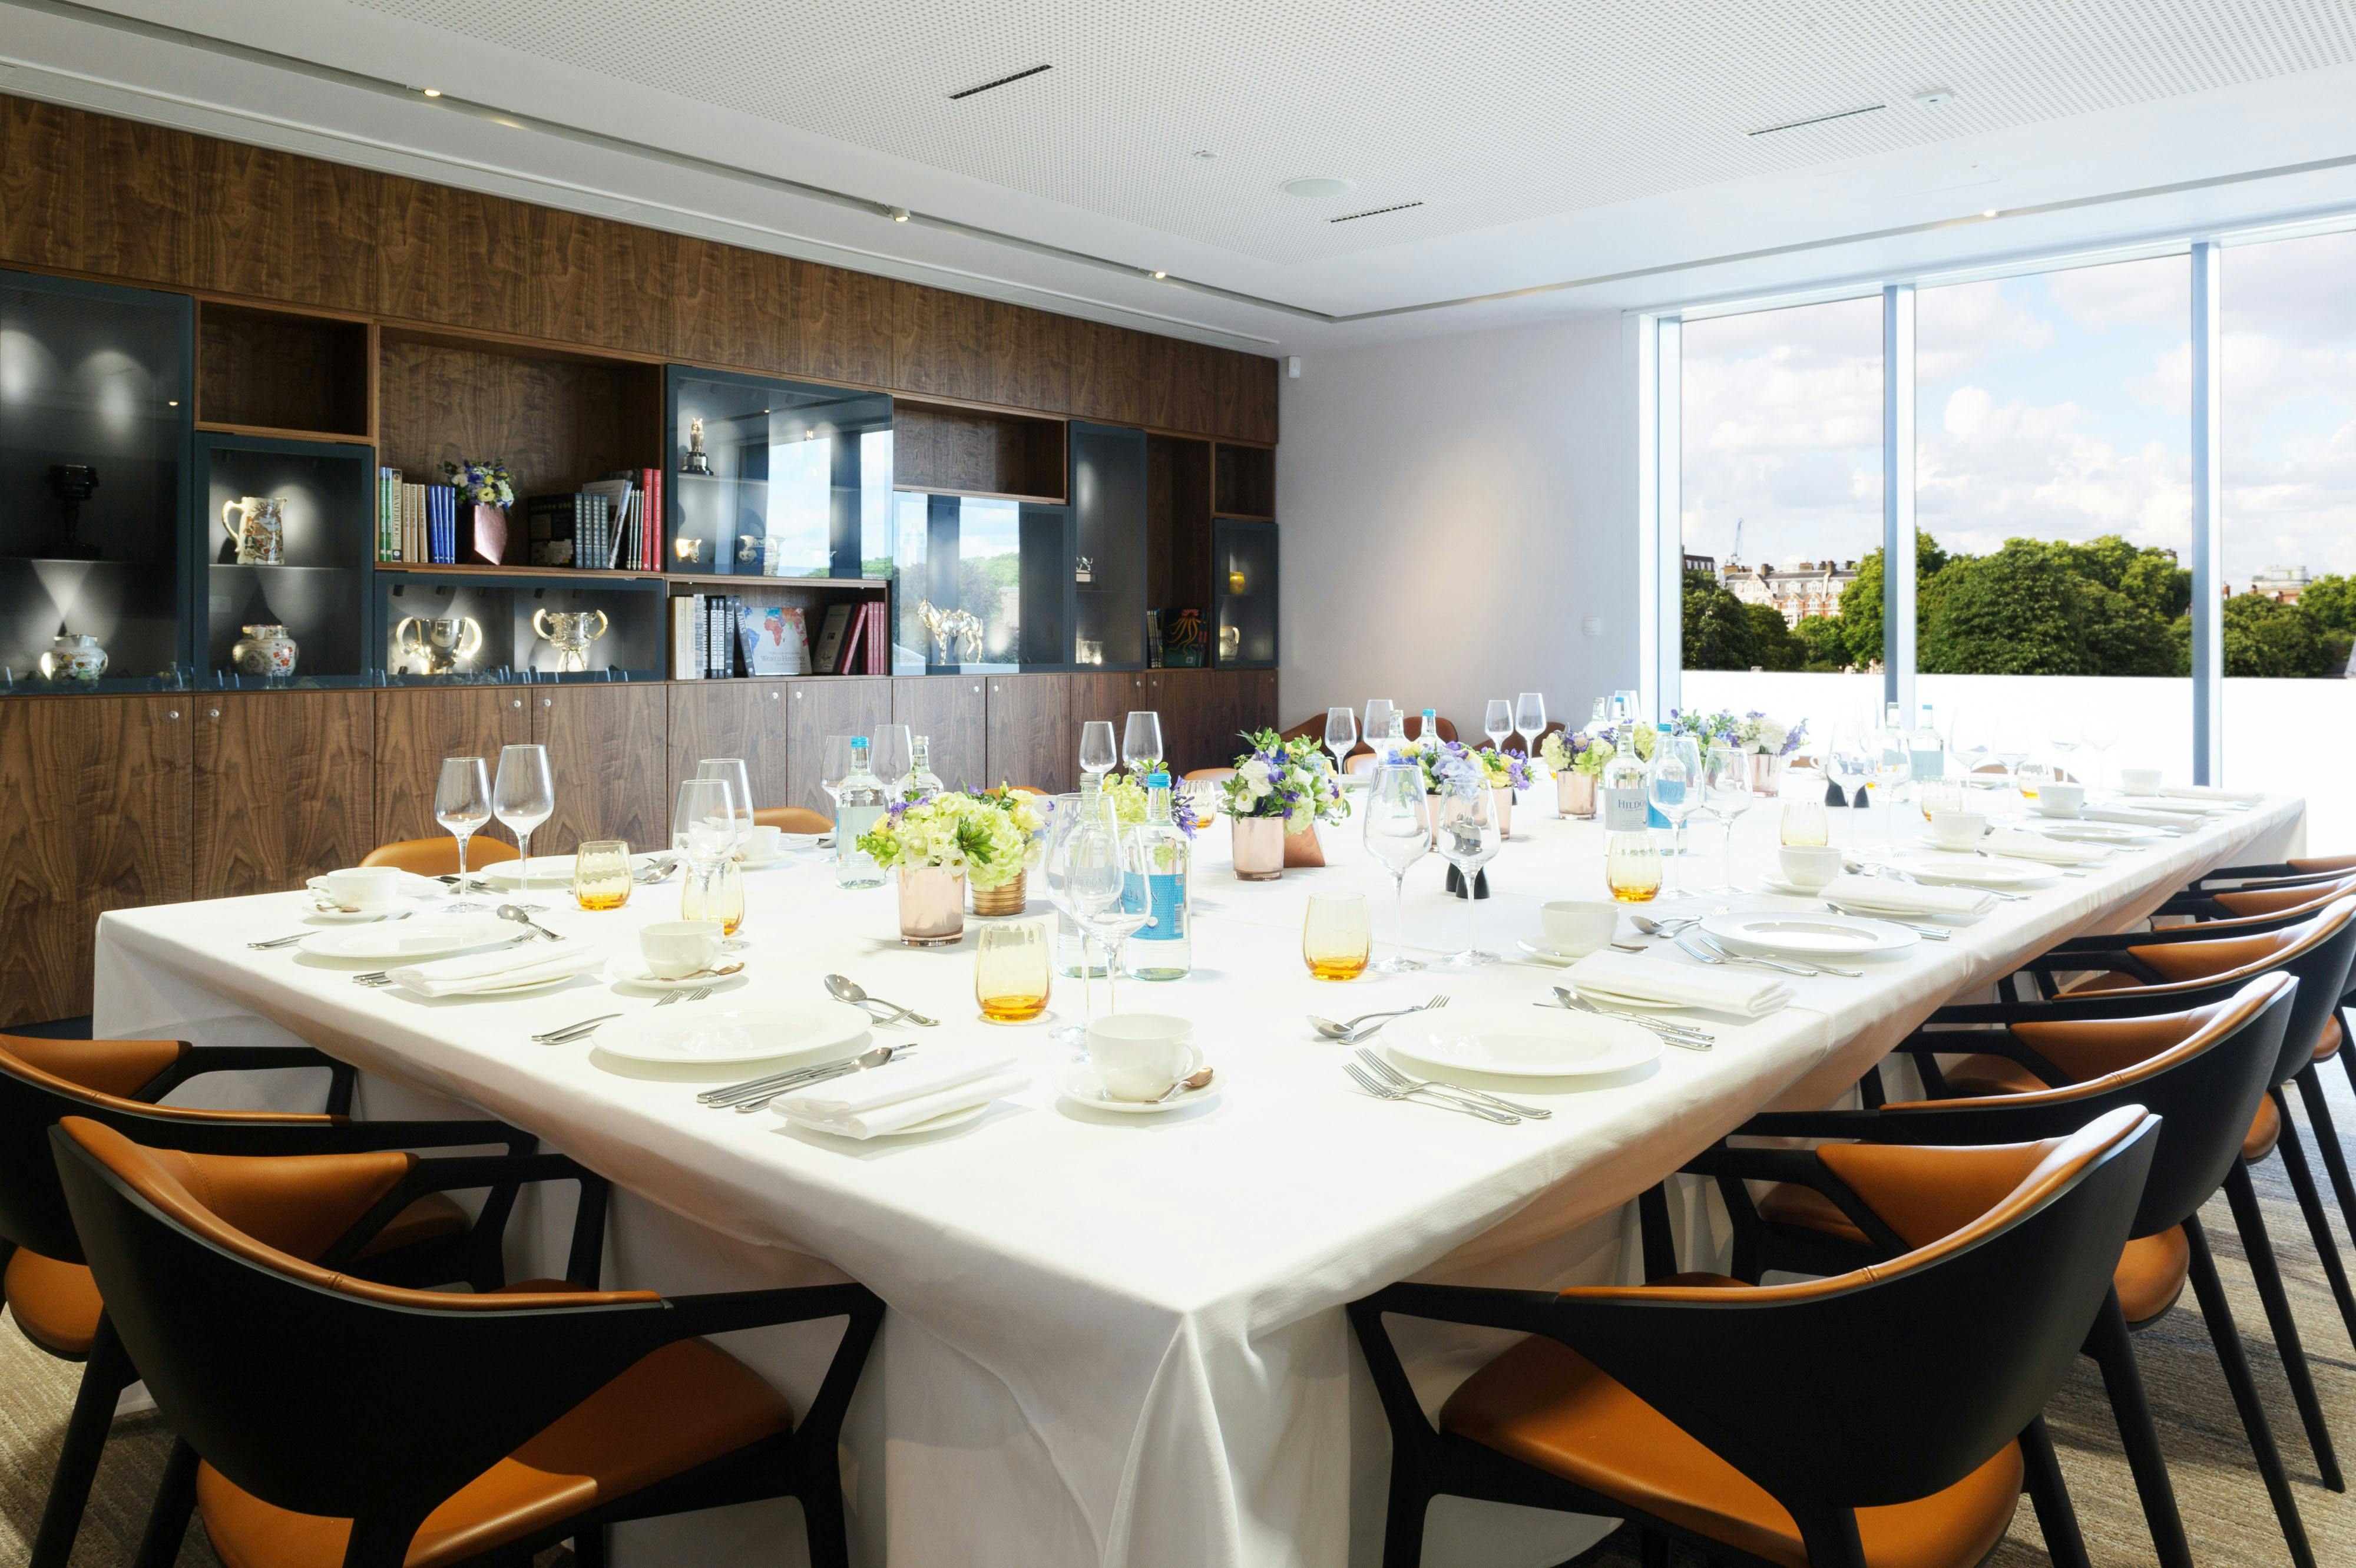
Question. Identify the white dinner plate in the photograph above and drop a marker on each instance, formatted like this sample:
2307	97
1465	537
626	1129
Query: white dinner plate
1541	1044
739	1035
411	941
2094	832
1792	890
1079	1083
1545	954
1773	933
331	915
629	968
1974	871
2173	803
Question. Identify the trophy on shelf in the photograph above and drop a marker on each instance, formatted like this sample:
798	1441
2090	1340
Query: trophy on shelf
440	643
696	461
71	483
1084	570
570	632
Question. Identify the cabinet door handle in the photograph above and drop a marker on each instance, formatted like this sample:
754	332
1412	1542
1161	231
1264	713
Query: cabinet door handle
173	713
213	713
517	704
548	701
773	697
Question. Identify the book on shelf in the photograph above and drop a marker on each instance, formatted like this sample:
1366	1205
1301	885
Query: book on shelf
442	519
388	514
685	665
879	641
829	639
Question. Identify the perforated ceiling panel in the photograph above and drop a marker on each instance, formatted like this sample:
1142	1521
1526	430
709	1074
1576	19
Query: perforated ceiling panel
1484	111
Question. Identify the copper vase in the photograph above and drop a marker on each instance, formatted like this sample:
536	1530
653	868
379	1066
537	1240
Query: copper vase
1301	847
1006	898
1574	794
1766	773
1258	847
1503	797
932	906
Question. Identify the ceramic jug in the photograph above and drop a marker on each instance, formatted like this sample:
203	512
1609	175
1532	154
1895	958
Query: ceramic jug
259	525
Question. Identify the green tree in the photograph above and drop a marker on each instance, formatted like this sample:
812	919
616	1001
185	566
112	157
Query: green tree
1860	616
2124	637
1717	631
2012	613
2332	600
1826	651
2275	640
1772	644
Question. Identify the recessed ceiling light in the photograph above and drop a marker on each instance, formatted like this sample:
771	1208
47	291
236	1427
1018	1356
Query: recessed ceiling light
1935	98
1988	213
899	214
1159	276
432	92
1317	186
1203	154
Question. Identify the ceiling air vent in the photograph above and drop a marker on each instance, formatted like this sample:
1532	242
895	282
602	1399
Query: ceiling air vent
1818	120
1001	82
1373	212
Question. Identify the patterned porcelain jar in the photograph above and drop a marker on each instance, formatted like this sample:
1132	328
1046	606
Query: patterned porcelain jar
72	657
263	650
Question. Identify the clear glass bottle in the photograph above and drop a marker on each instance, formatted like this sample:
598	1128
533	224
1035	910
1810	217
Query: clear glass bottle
859	807
1672	842
1162	947
920	781
1426	729
1926	749
1631	859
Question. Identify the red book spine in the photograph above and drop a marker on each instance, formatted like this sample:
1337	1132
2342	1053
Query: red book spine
875	664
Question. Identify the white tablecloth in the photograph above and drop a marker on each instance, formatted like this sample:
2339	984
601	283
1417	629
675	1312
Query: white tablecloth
1115	1339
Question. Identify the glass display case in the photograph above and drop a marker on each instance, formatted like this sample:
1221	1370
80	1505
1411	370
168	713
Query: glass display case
1243	590
284	588
431	630
771	478
96	402
1108	550
1005	564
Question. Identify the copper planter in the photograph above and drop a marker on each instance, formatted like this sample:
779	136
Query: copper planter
1574	794
1006	898
1258	847
932	906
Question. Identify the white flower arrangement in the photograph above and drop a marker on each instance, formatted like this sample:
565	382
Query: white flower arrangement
1763	734
1288	780
978	839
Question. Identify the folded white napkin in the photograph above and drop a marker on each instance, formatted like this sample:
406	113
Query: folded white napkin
2129	817
1745	993
2211	793
2052	851
1888	894
527	964
901	1094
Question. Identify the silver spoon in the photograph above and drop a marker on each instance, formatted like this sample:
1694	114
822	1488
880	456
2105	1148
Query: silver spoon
844	989
515	912
1348	1033
1653	927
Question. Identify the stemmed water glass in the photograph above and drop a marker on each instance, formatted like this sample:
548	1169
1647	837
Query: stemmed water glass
2011	746
2062	734
1497	723
1468	841
1378	722
1115	922
1673	787
703	826
461	803
1096	754
1892	766
1967	739
2102	734
1079	846
1340	735
1726	785
1529	720
1398	834
1850	765
892	755
523	796
732	771
835	766
1141	740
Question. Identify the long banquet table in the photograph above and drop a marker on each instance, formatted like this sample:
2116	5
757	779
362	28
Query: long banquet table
1112	1339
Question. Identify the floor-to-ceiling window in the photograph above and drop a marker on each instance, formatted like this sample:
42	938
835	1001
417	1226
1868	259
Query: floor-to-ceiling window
2290	530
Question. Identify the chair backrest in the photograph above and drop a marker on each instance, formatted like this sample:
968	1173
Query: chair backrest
2246	908
2318	951
2201	1070
315	1390
1821	1391
1209	775
792	820
41	1081
439	856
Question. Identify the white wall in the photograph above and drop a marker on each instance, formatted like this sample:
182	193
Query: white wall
1451	508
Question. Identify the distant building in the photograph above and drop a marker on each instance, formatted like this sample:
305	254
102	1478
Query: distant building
2283	584
1705	564
1797	588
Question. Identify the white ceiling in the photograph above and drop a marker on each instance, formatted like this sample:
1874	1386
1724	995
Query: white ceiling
1568	157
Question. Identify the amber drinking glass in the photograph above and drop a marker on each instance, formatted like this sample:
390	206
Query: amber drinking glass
1336	938
1011	968
601	873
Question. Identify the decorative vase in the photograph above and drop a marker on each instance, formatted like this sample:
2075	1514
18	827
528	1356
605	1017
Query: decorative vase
490	534
257	526
1259	844
932	906
1502	795
1006	898
1431	815
1301	847
73	657
1766	773
1574	794
263	650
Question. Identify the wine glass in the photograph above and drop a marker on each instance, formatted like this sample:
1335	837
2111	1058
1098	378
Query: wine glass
1892	766
1468	841
2061	734
523	796
1115	855
892	754
1398	833
703	827
2011	746
1529	720
1673	786
461	803
2102	734
1141	740
1968	739
1063	865
1097	753
1378	721
1498	722
732	771
1850	765
1340	734
835	766
1726	785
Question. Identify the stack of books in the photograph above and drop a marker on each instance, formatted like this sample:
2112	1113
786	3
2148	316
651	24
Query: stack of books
612	524
416	524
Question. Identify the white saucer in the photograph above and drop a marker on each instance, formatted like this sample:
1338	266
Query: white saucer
1080	1085
629	969
1551	956
352	917
762	864
1789	890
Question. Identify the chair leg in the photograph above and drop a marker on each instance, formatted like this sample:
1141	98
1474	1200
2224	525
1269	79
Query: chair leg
1403	1522
104	1376
2327	1139
2319	1224
167	1521
2050	1497
1652	1549
589	1547
2259	1246
822	1522
2108	1344
2215	1311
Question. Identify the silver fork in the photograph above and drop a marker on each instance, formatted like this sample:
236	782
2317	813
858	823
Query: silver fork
1810	966
375	977
574	1031
1398	1079
1384	1091
1670	1033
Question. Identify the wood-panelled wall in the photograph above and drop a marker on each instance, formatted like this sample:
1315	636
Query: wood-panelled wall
113	199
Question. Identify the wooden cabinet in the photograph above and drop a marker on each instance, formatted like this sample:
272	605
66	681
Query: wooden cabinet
283	787
98	820
817	708
416	729
605	749
1033	739
731	718
952	710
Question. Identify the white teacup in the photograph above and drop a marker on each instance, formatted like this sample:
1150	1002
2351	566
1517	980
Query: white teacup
1137	1055
676	949
1810	867
2139	780
2061	800
761	844
362	889
1576	927
1960	830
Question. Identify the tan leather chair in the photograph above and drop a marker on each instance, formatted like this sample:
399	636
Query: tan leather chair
792	820
439	856
1210	775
